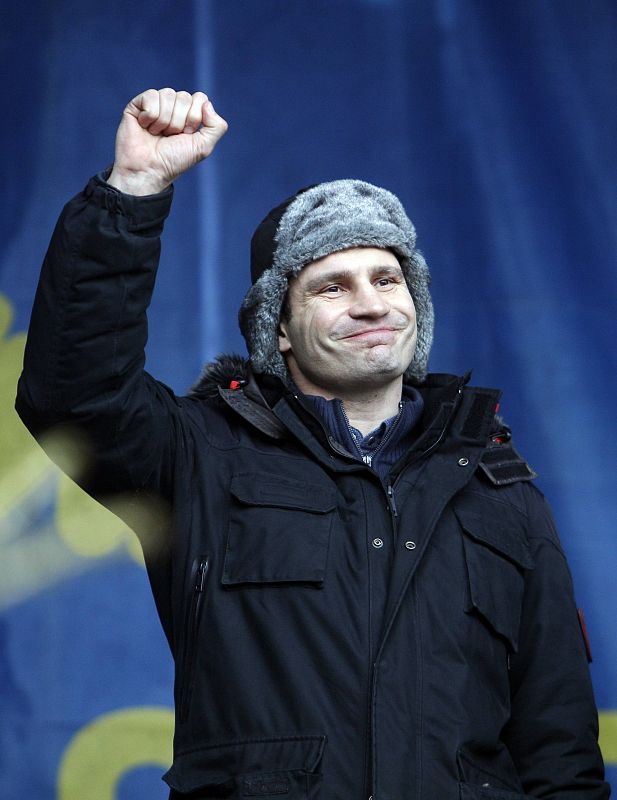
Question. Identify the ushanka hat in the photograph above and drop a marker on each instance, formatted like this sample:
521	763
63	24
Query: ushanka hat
313	223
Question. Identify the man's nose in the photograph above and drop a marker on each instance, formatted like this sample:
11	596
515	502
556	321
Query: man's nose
368	301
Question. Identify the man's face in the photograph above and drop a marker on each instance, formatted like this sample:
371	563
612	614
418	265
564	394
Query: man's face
352	325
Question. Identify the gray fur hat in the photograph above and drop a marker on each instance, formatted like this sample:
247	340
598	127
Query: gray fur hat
313	223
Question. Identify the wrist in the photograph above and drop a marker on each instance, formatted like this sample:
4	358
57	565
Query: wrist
138	184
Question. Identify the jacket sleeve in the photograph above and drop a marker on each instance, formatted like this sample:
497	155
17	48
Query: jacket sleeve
84	361
553	730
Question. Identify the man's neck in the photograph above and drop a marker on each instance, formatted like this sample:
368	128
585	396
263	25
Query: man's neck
367	412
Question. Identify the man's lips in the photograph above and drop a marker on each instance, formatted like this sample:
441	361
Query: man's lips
372	337
369	332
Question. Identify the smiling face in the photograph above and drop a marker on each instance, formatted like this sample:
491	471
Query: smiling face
352	325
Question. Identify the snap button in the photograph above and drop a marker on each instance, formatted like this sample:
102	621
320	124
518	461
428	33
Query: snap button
377	542
462	462
410	545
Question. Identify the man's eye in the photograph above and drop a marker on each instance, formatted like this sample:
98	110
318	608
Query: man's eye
334	289
385	281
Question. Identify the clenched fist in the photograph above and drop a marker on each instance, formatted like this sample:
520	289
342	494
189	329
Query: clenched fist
161	135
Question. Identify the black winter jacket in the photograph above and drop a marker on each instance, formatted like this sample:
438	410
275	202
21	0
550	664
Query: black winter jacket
335	636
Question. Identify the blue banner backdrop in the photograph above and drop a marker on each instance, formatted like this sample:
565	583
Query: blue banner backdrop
494	122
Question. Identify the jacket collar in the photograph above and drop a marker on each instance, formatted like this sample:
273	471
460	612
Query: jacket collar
454	413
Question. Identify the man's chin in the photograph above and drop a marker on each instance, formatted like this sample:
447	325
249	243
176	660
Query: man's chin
382	361
376	374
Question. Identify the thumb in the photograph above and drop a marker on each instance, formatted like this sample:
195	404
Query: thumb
213	128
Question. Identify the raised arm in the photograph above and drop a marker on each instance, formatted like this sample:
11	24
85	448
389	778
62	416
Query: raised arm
84	360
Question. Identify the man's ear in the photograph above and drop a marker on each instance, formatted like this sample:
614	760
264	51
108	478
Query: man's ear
284	343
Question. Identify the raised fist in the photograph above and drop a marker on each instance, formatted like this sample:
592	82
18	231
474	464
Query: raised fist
162	134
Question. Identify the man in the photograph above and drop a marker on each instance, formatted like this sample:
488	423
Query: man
363	592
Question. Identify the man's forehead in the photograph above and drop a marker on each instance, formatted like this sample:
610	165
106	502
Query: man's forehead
354	259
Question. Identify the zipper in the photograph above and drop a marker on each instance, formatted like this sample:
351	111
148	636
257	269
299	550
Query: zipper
389	487
391	500
368	458
189	661
369	789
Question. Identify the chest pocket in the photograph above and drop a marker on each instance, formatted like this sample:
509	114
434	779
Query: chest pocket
279	530
497	555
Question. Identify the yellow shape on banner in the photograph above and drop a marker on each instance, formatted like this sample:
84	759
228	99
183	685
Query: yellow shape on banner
23	466
39	559
89	529
608	737
111	746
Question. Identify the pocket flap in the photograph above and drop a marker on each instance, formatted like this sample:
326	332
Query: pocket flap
253	766
488	769
500	532
496	553
279	530
259	489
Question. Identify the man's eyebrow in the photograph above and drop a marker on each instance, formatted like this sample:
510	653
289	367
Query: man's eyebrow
335	276
343	275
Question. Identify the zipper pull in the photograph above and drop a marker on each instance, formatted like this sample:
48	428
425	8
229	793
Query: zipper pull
391	503
201	576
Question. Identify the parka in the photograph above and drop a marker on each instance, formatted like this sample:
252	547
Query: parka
335	635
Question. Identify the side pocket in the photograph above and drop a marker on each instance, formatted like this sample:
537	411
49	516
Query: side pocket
285	766
487	773
189	656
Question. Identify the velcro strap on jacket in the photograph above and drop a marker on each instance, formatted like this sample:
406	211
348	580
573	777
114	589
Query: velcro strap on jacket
477	414
259	416
503	465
